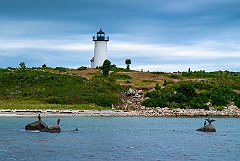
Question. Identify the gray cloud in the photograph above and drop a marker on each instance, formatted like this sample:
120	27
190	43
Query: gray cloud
156	34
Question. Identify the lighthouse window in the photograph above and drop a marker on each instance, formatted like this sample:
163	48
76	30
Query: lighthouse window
100	35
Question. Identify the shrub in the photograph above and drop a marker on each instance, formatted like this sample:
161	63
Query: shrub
237	100
81	68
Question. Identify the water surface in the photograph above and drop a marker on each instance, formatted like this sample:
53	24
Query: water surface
121	138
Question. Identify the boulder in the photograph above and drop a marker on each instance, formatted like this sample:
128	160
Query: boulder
52	129
42	127
130	91
37	125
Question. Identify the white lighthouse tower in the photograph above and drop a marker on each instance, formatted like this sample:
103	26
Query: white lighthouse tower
100	49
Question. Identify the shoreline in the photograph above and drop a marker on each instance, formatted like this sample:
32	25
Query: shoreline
231	111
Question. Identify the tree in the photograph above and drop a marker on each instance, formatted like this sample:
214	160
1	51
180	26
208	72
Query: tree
44	66
105	68
128	62
22	65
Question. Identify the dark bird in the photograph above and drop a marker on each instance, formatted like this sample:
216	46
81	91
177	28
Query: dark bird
205	123
39	117
58	121
210	121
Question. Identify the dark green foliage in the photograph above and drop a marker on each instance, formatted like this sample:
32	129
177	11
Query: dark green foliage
128	62
166	82
61	69
174	76
220	108
81	68
44	66
22	65
157	87
57	88
152	102
237	100
114	68
105	68
183	94
221	95
121	76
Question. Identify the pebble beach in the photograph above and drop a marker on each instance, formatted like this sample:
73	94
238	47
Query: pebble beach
231	111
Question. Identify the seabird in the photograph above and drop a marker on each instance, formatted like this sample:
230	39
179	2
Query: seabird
39	117
58	121
205	123
210	121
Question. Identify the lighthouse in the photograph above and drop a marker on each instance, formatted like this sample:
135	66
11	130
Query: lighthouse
100	49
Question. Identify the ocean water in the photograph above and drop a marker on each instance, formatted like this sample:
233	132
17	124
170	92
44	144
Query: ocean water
121	138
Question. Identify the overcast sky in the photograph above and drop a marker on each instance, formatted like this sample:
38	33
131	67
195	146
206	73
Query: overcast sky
157	35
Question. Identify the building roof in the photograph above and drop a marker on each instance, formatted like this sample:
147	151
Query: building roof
100	32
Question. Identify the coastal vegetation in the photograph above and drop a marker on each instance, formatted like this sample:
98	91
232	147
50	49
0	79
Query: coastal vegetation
84	88
50	87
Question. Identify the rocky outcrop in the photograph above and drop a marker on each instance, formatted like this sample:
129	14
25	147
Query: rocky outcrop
207	128
42	127
37	125
52	129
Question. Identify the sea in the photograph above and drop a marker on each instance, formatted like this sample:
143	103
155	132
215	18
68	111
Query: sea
120	139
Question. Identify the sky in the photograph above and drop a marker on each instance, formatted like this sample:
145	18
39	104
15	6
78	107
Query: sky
156	35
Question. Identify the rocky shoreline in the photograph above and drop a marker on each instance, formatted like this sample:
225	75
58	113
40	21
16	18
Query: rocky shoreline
231	111
131	107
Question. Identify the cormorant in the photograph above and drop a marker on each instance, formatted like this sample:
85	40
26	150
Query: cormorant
58	121
210	121
39	117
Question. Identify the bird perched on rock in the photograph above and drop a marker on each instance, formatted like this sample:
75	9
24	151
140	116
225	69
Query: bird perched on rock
58	121
39	117
209	120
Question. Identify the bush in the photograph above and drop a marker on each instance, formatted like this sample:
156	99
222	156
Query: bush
58	88
183	94
81	68
153	102
237	101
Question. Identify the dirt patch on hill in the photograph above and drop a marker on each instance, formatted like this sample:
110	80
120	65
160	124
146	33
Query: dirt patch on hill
139	80
145	76
88	73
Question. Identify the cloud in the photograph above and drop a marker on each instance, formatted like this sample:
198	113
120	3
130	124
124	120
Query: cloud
171	57
154	34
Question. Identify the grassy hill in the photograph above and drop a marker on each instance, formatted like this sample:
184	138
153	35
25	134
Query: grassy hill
62	88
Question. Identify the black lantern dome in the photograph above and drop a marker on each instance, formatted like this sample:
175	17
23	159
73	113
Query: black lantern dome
100	36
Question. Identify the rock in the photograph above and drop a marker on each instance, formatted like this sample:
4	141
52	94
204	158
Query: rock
207	128
52	129
37	125
42	127
151	90
130	91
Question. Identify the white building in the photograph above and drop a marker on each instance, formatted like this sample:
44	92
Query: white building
100	49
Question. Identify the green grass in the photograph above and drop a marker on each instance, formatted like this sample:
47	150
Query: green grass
37	105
